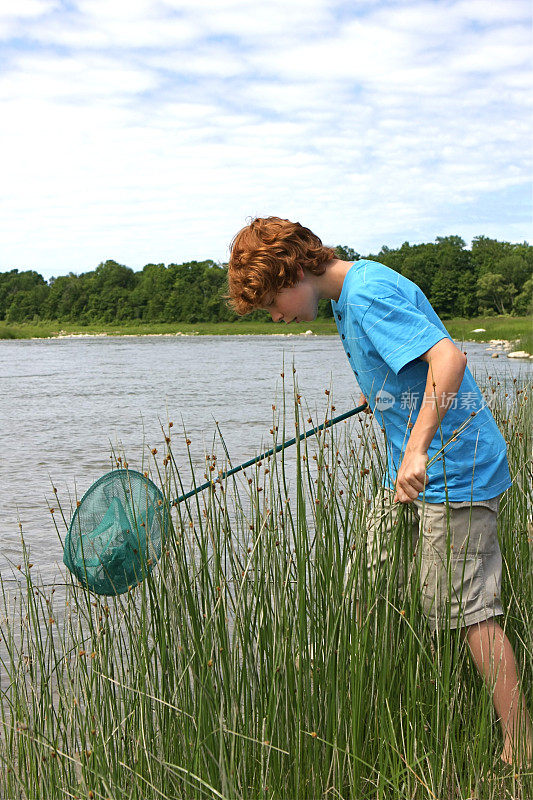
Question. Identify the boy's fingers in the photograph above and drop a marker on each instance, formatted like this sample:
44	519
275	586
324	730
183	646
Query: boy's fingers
408	489
402	497
412	483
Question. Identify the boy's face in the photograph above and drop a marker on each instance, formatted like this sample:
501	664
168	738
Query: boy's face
295	303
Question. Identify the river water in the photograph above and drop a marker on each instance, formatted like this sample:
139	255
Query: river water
65	402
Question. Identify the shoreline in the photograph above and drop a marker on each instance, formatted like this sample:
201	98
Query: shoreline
117	334
513	334
498	346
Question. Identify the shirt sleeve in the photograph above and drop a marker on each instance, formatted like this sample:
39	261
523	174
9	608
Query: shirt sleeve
399	330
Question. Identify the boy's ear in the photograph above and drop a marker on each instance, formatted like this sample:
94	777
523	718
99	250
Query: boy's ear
300	272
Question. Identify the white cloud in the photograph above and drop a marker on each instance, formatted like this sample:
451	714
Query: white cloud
25	9
13	16
256	21
151	130
80	80
204	60
481	11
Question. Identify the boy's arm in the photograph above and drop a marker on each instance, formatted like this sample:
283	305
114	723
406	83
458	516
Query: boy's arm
446	369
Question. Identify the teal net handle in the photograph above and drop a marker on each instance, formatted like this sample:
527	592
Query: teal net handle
271	452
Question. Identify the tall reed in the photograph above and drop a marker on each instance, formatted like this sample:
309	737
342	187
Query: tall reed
238	668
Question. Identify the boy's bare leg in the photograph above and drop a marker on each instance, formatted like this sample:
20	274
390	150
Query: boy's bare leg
494	657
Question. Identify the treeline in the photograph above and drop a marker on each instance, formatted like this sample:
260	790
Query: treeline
491	277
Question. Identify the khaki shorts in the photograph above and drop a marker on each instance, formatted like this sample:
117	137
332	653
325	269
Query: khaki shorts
456	561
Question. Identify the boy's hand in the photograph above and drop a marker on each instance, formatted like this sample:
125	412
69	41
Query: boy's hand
362	400
411	478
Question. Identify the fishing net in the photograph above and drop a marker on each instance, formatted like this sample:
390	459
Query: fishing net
116	534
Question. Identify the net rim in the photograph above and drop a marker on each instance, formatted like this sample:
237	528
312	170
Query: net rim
67	558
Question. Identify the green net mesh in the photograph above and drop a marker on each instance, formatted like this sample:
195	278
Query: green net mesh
116	533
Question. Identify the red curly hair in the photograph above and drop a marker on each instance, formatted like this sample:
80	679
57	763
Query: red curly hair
265	256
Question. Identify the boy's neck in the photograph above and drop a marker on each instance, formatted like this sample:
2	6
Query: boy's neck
329	284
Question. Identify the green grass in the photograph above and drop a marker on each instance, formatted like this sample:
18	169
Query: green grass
519	330
243	327
237	669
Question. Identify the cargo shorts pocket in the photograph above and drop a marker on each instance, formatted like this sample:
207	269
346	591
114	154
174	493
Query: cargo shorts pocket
460	565
392	532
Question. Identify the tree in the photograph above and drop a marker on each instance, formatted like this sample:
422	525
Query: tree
443	294
486	252
67	299
494	289
523	303
109	288
448	273
467	301
514	269
149	297
420	266
25	306
346	253
15	283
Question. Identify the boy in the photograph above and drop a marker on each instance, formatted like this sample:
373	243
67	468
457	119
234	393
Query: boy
418	386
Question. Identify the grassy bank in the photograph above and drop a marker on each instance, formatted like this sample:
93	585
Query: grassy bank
518	330
242	327
237	669
501	327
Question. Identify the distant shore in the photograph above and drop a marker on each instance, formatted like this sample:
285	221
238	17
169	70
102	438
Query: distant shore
515	332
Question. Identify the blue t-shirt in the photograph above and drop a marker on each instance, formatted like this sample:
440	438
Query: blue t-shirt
385	323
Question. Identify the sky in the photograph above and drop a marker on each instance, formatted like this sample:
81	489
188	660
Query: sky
153	130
